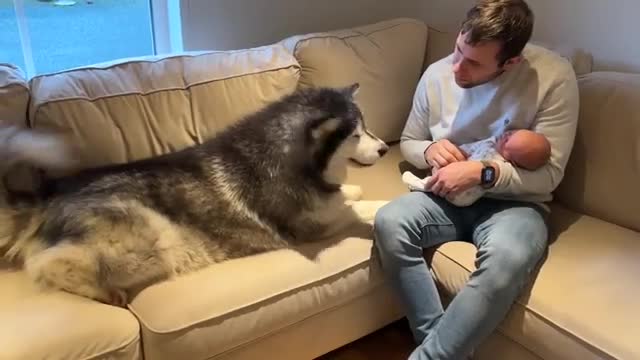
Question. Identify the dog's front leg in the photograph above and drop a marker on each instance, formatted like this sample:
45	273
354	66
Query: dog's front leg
353	218
351	192
365	210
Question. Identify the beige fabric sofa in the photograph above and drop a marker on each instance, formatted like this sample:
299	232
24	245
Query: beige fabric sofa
280	305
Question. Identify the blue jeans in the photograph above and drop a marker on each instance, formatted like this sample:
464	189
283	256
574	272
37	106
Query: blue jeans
511	238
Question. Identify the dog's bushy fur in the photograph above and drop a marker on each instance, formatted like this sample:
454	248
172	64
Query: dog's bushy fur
272	180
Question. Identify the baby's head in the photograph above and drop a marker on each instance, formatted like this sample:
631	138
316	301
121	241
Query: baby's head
524	148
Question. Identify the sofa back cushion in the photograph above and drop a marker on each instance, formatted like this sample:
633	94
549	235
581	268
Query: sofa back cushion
603	172
14	96
142	107
386	58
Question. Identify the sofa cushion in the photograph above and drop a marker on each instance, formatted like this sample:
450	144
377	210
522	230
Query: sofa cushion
385	58
238	308
383	180
603	172
141	107
580	59
61	326
441	44
14	96
582	303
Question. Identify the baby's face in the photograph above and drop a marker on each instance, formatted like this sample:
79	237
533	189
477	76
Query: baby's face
502	144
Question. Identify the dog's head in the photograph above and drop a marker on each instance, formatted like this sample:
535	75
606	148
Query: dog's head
338	129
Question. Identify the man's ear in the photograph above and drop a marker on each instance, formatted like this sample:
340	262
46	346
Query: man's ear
351	91
512	62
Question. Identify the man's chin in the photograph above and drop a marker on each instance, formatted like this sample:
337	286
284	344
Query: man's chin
464	84
467	84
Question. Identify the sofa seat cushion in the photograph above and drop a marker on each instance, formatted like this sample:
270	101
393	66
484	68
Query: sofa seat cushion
382	181
238	308
582	304
136	108
61	326
385	58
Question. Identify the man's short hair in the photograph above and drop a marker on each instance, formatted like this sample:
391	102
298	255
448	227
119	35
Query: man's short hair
509	22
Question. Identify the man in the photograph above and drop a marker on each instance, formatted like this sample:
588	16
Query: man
493	79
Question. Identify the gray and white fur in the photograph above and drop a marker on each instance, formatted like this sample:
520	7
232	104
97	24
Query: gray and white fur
272	180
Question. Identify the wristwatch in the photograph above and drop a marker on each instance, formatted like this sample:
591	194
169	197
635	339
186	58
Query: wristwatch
488	175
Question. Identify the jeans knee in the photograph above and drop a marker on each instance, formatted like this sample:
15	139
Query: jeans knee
385	226
509	268
399	227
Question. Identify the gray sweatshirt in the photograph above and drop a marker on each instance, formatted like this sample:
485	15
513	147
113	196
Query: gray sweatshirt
540	94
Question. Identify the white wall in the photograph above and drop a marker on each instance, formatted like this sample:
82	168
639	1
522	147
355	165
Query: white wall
233	24
605	28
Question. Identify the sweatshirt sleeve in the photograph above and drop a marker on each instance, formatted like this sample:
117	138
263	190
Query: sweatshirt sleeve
557	120
416	136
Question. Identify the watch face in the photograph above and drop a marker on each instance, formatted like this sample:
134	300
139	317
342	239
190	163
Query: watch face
488	174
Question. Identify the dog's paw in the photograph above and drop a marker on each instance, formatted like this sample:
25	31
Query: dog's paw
117	297
351	192
367	209
413	182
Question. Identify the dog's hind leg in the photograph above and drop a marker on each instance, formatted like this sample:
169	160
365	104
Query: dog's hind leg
74	269
114	247
98	252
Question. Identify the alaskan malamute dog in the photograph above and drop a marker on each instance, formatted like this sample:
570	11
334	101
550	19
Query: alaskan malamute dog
273	180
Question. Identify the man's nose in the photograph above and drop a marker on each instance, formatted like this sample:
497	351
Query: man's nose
457	65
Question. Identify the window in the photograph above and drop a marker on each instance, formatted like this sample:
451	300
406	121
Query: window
9	36
44	36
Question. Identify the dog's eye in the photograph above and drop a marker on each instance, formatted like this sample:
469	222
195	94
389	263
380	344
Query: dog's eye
356	135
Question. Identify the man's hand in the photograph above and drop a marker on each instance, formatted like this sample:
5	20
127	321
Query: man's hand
455	178
442	153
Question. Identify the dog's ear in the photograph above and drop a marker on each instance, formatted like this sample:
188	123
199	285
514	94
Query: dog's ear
323	127
351	91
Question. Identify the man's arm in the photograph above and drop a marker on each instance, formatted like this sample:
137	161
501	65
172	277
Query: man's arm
557	120
416	136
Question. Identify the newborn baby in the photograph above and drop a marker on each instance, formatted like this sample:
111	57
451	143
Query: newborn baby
523	148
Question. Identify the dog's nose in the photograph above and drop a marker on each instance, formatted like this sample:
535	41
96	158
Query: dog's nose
382	151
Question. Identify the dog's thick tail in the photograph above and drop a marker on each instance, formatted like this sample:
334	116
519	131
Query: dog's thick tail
18	231
44	150
37	148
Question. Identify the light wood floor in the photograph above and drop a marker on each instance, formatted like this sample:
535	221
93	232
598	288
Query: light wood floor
393	342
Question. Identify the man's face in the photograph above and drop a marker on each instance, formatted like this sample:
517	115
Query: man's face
476	65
